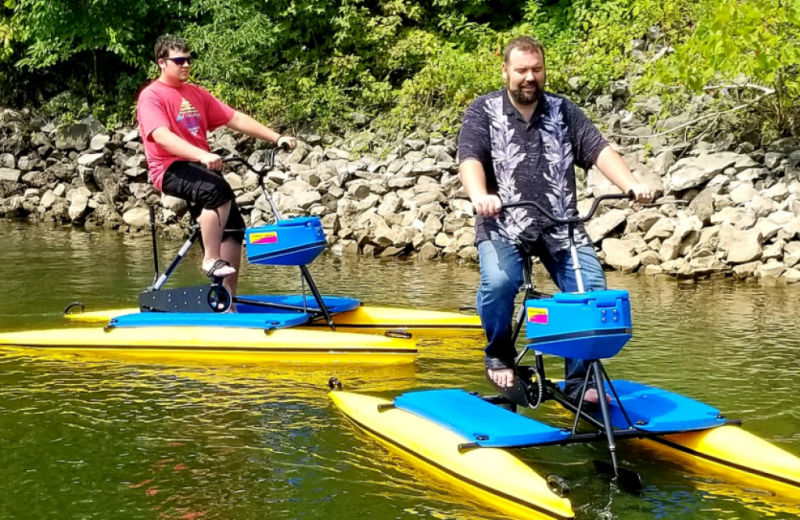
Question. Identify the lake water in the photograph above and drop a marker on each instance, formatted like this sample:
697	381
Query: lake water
89	438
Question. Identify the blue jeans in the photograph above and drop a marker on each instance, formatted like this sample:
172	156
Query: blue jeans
501	279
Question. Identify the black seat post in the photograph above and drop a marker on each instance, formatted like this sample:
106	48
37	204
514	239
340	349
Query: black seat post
193	236
597	367
527	284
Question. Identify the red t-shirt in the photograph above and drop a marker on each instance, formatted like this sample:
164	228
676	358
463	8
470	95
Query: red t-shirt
188	111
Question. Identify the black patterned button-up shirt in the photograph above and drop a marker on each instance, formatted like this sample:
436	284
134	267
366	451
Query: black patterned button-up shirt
530	161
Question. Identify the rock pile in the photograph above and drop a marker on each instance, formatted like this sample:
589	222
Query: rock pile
743	216
742	220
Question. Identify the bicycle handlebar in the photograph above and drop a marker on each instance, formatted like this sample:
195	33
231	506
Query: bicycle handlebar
571	220
270	160
261	174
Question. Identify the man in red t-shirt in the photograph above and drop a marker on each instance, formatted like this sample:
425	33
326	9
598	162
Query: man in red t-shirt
174	117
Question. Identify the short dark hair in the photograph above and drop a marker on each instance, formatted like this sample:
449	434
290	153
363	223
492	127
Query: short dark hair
169	42
524	44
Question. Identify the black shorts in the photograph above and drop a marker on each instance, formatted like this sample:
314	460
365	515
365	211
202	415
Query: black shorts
203	189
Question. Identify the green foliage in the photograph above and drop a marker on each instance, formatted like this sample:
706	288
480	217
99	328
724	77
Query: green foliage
60	30
756	42
757	39
9	32
404	63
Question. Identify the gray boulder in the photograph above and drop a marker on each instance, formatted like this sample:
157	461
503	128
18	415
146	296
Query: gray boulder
745	192
773	159
661	229
47	200
174	204
137	217
620	255
791	254
78	206
745	271
605	103
598	228
703	204
75	137
428	251
791	276
9	174
745	247
99	142
694	171
415	144
7	161
663	162
90	160
26	163
772	269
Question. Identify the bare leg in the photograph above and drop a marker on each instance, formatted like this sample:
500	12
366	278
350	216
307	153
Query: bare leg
212	225
232	252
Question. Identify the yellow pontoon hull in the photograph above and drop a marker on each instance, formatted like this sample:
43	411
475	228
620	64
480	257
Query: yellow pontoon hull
493	476
220	344
734	454
737	455
371	320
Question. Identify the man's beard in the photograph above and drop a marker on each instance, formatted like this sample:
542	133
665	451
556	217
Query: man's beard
527	98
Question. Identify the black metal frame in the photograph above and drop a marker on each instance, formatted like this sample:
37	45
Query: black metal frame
321	312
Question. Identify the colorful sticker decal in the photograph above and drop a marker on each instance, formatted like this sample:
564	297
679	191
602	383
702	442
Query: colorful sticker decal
539	316
264	238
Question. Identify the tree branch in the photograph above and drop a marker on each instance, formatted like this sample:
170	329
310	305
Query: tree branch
721	87
701	118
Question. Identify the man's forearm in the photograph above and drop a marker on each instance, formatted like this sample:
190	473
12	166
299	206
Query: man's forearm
247	125
473	178
173	144
614	168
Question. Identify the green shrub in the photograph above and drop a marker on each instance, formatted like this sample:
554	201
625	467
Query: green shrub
314	63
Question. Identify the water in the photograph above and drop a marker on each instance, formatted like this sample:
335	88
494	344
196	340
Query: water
88	438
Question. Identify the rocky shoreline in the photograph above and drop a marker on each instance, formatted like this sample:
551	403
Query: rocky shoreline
398	197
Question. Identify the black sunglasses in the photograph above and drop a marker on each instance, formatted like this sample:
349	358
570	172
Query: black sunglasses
179	61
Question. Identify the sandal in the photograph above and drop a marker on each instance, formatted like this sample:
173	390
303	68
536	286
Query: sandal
219	263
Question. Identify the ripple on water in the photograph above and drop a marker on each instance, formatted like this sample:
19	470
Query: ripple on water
85	438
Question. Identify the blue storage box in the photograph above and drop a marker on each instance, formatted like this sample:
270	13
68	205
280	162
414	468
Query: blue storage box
294	241
592	325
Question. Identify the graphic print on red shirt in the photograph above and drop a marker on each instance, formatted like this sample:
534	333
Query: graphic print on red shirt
189	117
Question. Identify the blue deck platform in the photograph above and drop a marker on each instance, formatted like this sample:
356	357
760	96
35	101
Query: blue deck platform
185	319
477	421
335	304
655	410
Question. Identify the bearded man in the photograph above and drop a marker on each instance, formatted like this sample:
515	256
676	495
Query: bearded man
522	143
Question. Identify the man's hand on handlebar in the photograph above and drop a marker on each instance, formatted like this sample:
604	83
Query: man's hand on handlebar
286	142
487	205
642	193
211	161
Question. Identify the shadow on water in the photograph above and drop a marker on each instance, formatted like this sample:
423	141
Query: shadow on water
99	438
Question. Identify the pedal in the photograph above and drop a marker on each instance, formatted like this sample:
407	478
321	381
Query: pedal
195	299
219	297
517	393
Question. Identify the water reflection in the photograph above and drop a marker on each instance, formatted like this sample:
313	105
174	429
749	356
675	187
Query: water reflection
84	437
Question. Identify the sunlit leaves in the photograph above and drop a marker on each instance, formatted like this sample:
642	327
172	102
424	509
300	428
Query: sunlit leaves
757	39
